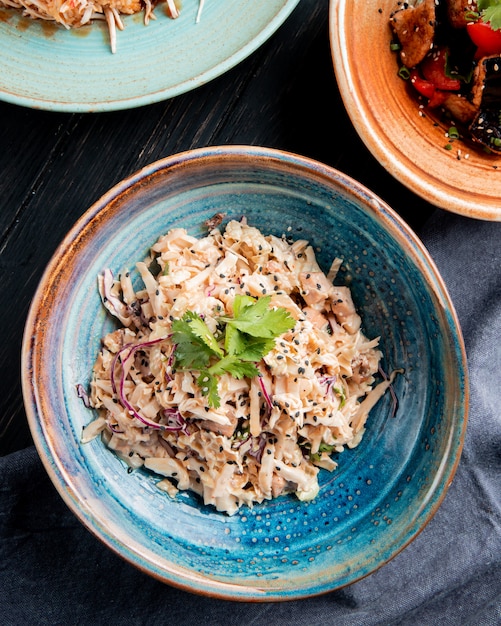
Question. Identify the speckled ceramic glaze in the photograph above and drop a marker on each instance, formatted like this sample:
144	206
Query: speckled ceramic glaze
49	67
406	141
384	491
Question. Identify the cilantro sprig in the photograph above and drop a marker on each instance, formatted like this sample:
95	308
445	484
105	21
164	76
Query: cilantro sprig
490	12
240	342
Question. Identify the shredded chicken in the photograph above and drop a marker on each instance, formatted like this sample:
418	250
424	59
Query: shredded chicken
76	13
272	433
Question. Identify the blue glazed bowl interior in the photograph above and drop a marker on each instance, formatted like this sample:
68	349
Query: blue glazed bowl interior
383	492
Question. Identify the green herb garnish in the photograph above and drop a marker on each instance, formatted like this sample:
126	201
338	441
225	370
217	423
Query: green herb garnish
490	12
240	342
342	396
404	73
323	447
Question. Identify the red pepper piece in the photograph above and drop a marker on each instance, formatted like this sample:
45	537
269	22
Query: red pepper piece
433	69
488	41
422	86
437	99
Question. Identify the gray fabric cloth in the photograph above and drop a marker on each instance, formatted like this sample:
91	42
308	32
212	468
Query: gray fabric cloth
53	571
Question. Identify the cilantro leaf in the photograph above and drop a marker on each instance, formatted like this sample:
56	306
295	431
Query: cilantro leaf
258	320
255	348
200	329
243	369
191	352
234	366
247	348
491	12
241	302
245	339
234	340
208	378
190	355
208	386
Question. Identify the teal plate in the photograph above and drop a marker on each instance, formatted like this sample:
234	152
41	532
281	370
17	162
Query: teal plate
383	492
48	67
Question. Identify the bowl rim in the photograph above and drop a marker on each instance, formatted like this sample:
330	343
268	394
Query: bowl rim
469	204
398	228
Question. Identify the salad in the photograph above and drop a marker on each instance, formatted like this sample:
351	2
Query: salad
238	369
450	52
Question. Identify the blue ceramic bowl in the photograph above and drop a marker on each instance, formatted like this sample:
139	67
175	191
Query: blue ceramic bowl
384	491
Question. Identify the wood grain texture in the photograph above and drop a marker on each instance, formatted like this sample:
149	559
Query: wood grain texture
54	166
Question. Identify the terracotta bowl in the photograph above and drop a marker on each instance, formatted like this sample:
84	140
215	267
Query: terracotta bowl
384	491
388	118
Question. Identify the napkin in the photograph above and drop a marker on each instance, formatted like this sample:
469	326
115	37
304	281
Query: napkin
53	571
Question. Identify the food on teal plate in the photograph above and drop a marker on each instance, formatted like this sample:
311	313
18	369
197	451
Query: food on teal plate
77	13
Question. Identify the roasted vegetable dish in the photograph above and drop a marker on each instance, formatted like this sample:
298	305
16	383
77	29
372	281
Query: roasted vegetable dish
450	52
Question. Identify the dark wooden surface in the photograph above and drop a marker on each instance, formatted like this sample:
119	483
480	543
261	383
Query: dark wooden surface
53	166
